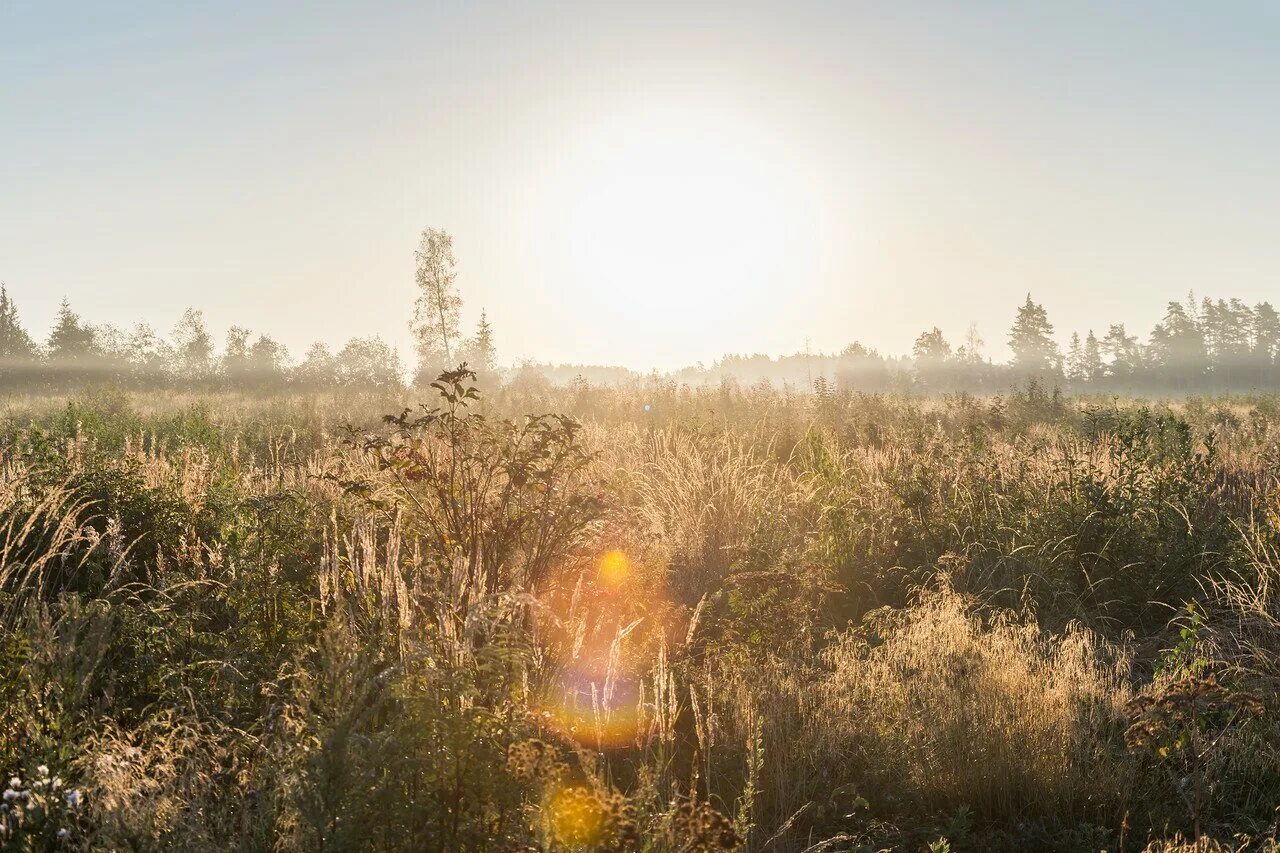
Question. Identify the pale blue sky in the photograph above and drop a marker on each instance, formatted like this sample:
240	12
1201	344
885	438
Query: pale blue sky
646	184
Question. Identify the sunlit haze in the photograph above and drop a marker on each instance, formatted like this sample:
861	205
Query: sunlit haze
650	185
604	427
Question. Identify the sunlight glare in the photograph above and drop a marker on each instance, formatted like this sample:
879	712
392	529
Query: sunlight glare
671	213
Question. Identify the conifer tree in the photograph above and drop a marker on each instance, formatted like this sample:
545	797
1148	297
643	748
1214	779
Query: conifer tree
1075	359
1031	340
480	354
15	344
1093	366
1123	350
70	340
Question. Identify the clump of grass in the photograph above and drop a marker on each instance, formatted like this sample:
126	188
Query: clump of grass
941	707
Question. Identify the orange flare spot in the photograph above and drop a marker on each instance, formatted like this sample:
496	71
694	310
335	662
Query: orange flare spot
576	817
614	568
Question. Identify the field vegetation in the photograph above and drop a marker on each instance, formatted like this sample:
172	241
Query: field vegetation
660	618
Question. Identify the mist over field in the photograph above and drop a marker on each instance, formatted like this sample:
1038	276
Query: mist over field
1199	346
568	427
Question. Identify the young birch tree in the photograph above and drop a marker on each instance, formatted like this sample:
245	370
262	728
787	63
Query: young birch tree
435	312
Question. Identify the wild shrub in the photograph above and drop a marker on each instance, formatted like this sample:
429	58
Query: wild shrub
508	497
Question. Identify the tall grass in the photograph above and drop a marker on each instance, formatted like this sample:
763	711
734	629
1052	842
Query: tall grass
734	618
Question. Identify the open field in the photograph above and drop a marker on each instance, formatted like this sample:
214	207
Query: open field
639	427
678	620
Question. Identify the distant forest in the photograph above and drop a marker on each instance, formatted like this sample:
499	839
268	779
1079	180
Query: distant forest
1204	346
1199	346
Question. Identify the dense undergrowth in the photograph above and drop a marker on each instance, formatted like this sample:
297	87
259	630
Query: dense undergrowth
677	620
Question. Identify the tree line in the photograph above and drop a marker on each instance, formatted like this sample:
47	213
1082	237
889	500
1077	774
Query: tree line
1198	346
76	353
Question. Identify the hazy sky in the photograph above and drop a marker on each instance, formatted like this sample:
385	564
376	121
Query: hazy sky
642	183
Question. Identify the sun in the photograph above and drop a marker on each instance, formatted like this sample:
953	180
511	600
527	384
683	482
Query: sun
670	214
676	215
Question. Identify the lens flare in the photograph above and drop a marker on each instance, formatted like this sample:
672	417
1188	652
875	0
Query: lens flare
597	699
614	568
577	819
597	710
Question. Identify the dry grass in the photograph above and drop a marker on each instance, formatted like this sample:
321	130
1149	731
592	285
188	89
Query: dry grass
873	621
952	708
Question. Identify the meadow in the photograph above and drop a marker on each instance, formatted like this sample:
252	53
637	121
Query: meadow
658	618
